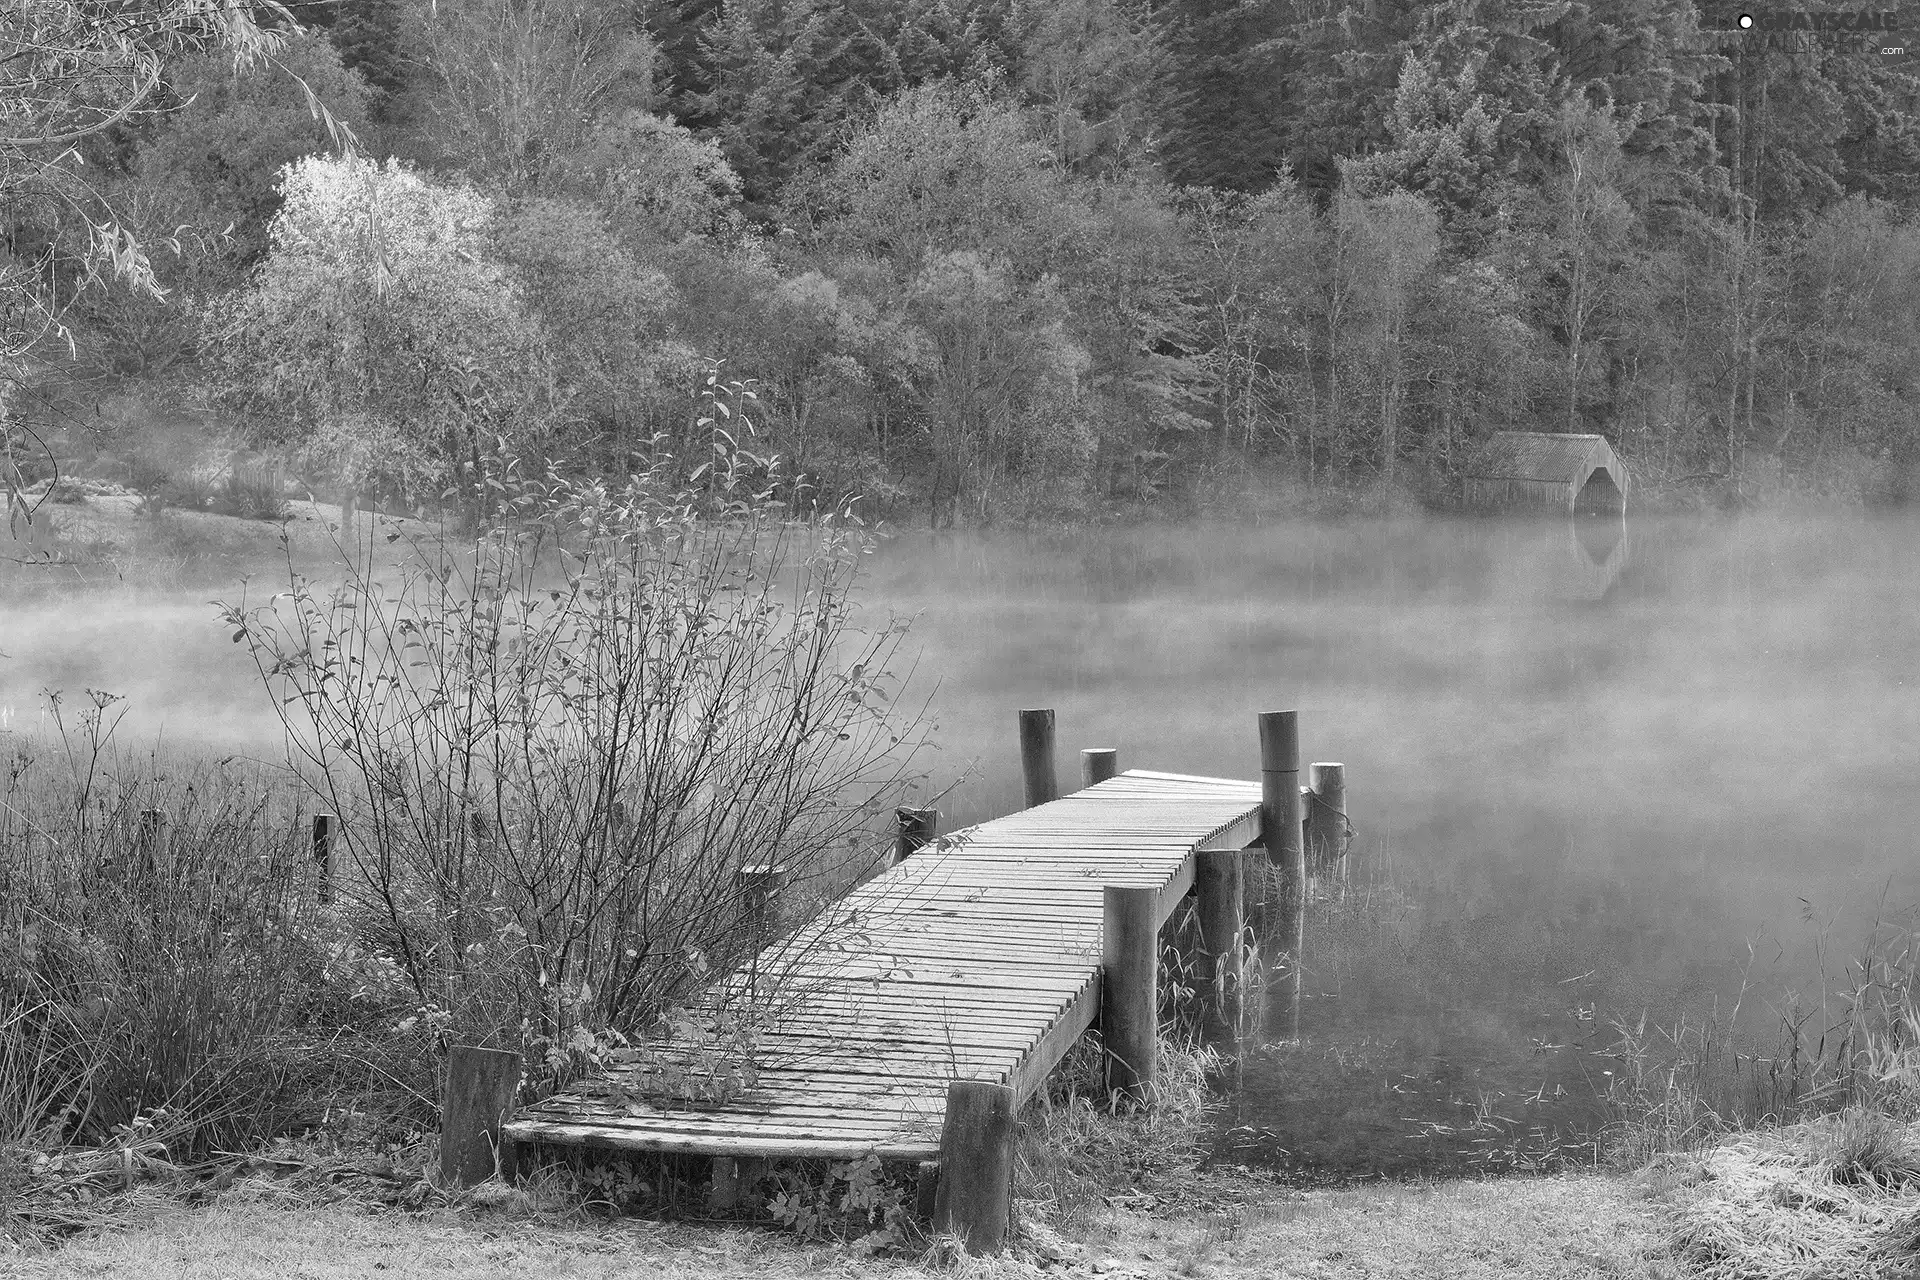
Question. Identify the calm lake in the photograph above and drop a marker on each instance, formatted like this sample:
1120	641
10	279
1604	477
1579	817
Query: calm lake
1595	772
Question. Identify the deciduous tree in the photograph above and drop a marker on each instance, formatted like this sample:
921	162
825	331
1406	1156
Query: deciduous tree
380	336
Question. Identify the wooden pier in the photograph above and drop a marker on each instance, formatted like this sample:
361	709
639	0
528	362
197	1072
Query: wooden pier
975	962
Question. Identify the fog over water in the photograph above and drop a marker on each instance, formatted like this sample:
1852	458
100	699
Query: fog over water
1585	775
1590	776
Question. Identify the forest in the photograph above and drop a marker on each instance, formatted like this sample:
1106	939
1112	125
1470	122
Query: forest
980	260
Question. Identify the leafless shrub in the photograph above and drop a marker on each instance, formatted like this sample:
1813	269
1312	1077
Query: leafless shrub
555	748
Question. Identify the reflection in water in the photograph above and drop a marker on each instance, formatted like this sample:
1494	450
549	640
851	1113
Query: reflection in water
1603	538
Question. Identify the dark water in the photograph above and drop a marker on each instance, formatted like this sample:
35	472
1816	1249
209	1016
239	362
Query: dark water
1587	773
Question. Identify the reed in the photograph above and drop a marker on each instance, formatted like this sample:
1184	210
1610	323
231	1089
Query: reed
1074	1148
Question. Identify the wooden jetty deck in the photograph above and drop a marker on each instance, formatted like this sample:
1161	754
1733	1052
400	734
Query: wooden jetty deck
978	958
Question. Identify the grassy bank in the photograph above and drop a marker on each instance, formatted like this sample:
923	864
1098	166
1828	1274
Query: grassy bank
1574	1228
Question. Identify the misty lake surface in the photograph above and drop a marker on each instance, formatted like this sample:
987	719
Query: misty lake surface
1596	771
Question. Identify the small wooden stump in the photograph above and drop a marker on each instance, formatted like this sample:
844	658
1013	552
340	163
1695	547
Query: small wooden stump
730	1179
926	1190
974	1197
723	1185
323	854
481	1085
1036	757
916	830
1129	995
1220	898
1097	764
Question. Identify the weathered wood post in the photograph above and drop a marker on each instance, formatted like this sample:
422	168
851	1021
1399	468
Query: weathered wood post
723	1184
1280	832
1326	815
916	829
760	886
323	832
974	1195
926	1189
481	1084
1036	757
1097	764
729	1179
1129	994
1220	897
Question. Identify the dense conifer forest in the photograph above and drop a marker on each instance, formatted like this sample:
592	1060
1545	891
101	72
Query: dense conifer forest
983	260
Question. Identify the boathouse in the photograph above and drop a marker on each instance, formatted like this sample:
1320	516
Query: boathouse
1546	471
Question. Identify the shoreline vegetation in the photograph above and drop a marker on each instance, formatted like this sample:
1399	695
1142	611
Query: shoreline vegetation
189	1037
298	1104
302	1088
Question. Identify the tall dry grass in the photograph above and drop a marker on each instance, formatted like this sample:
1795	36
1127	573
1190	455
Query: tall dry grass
1848	1044
163	964
1076	1148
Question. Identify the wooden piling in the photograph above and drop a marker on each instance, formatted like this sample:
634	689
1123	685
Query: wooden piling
760	886
916	829
1036	757
1220	898
1326	832
974	1195
723	1184
1097	764
1281	833
323	832
481	1084
1129	994
926	1190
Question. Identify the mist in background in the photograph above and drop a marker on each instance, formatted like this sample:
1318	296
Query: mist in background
1596	773
1591	774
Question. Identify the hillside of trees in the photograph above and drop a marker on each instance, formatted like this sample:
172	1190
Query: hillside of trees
984	260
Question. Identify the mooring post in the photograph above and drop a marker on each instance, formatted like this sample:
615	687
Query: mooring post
1220	896
323	825
1097	764
1326	814
974	1195
1129	996
481	1084
1280	832
760	886
916	829
1036	757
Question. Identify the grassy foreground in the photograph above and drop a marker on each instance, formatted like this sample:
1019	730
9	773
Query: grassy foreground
1570	1227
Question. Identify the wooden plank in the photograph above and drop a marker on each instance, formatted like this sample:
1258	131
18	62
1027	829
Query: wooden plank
902	1035
1002	1004
826	1148
885	1010
1038	1063
878	968
691	1125
1176	889
803	1115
